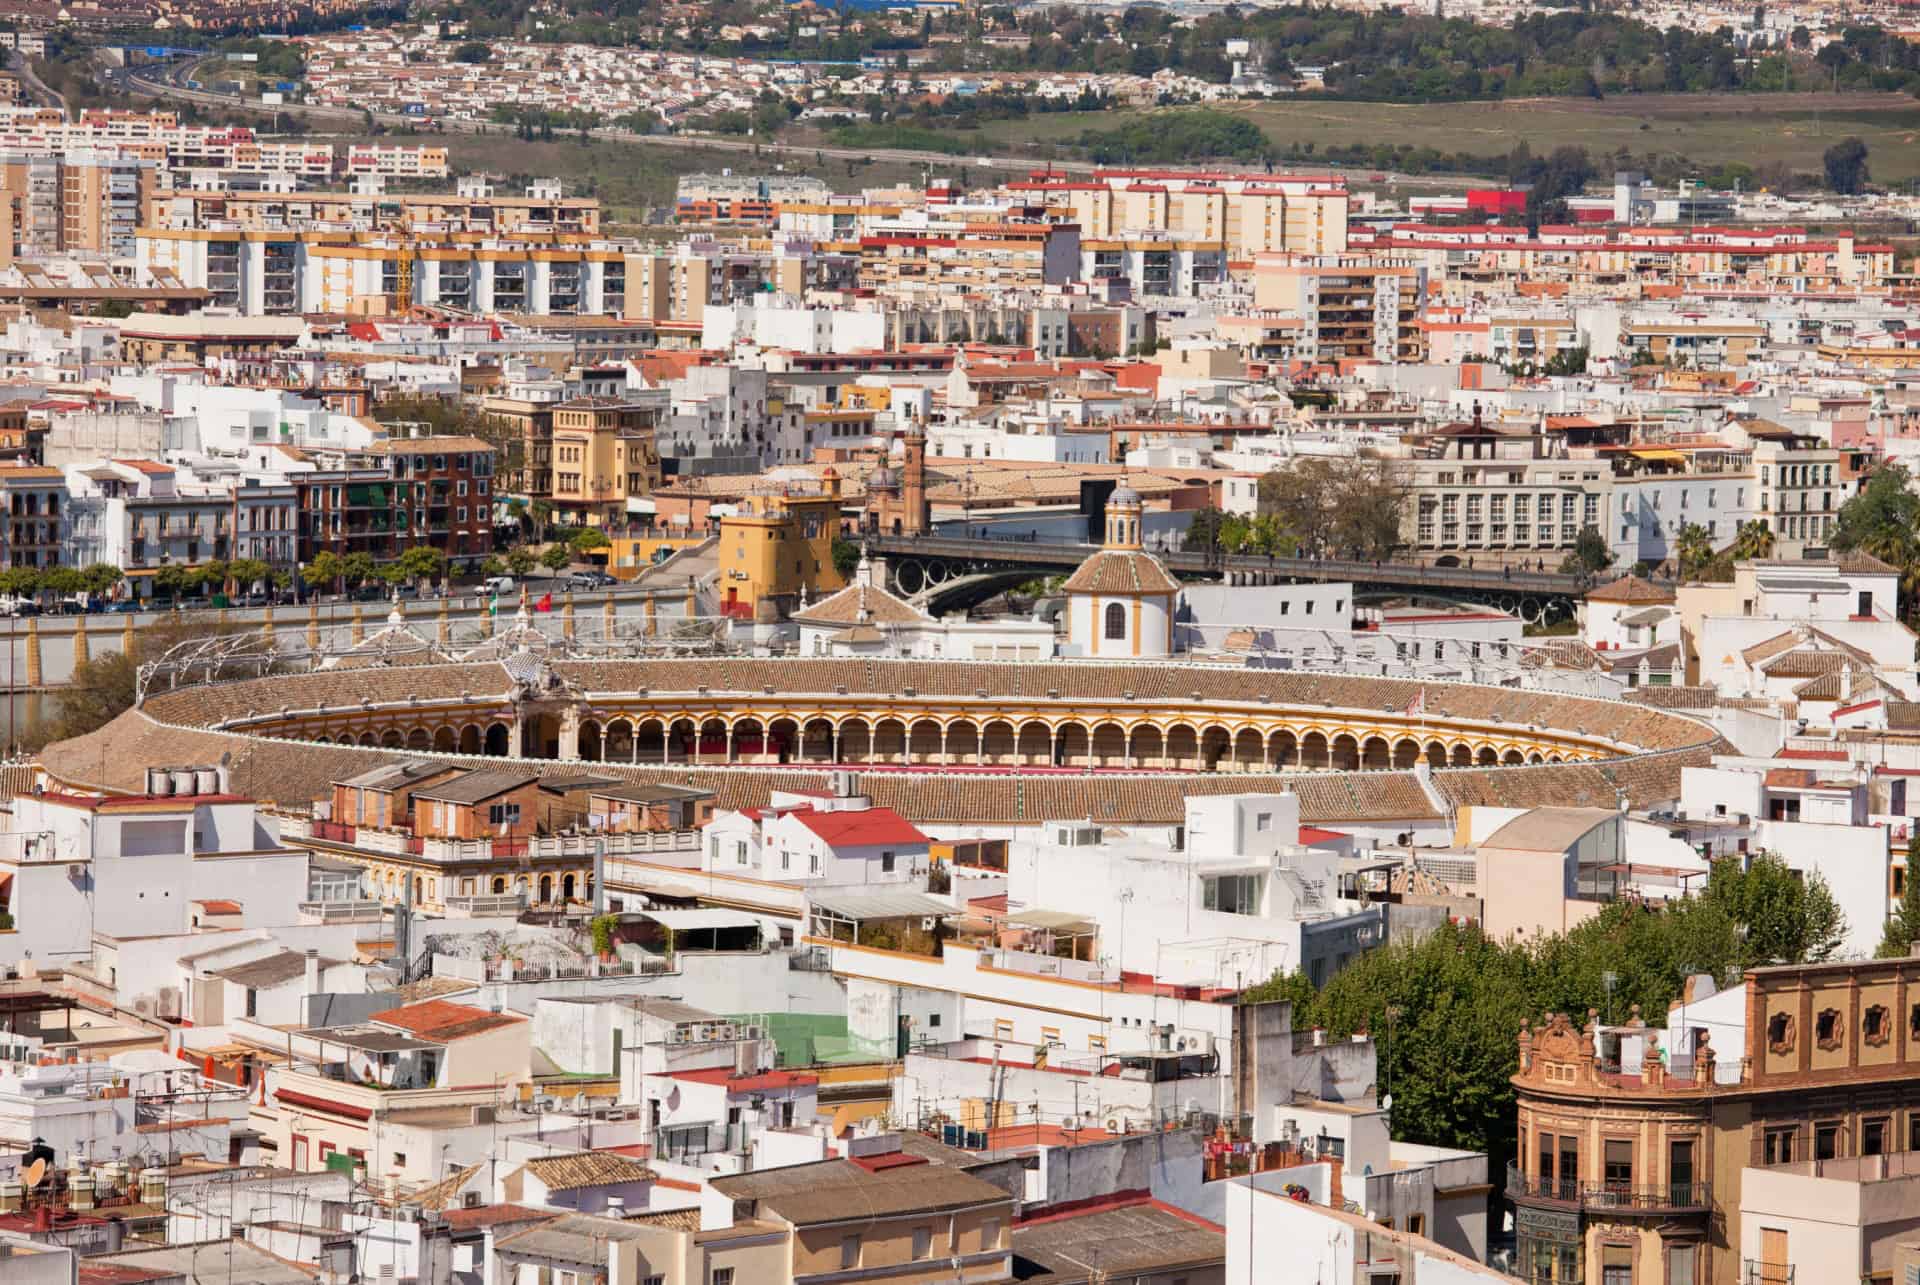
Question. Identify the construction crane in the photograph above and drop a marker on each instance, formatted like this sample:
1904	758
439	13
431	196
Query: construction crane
403	270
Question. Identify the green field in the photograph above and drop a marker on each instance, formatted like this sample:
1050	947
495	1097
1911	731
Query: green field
1710	129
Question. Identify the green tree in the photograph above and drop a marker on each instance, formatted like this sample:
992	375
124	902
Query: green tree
101	577
1203	531
473	52
244	573
1790	917
1903	928
520	560
587	538
1846	165
422	563
1693	550
1882	522
846	557
542	510
20	582
555	557
491	566
357	568
1752	540
1339	508
1589	554
326	568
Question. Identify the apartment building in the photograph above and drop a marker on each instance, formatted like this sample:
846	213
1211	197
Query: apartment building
392	160
604	455
1240	214
140	515
289	272
465	210
1350	307
961	254
442	491
1155	263
1636	1141
77	201
33	502
1509	496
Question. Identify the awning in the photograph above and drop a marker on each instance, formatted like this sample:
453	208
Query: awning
1064	922
307	1102
642	504
1662	456
688	920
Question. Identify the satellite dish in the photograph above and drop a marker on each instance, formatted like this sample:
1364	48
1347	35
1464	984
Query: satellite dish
1386	1103
34	1174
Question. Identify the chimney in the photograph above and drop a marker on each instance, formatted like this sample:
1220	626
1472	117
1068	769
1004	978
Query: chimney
1335	1198
313	971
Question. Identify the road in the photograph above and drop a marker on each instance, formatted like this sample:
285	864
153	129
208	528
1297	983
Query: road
169	88
36	88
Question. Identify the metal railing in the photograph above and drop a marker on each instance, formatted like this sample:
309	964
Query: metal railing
1758	1273
1011	546
1669	1197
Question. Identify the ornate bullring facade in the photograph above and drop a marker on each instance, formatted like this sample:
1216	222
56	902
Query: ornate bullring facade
910	714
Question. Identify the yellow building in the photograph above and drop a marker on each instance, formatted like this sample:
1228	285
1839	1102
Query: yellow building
603	455
776	547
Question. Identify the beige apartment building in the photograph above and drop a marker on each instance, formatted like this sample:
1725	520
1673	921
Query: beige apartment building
1350	308
604	454
1245	214
80	202
183	209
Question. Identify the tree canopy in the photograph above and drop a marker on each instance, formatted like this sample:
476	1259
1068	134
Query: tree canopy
1458	996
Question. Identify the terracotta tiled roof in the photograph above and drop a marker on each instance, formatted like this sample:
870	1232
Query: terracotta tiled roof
587	1169
1122	571
862	604
440	1019
1630	589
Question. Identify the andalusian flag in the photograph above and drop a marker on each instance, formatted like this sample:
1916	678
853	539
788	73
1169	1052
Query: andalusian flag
493	603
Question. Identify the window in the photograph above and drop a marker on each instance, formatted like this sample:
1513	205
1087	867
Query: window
1826	1028
1417	1224
1777	1145
503	814
1826	1141
1875	1025
1116	622
1680	1260
722	1276
253	1002
849	1252
886	863
1616	1265
653	1280
399	1159
1780	1032
922	1243
1263	822
1873	1137
1680	1172
1232	894
990	1233
1619	1164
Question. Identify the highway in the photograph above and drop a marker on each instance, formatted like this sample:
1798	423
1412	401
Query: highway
169	87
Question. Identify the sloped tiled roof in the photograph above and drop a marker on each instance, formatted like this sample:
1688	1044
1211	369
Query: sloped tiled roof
1630	588
862	604
1122	571
587	1169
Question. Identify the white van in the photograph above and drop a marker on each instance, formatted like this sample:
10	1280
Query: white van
500	585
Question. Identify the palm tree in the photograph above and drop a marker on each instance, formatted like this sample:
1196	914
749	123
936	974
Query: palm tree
1693	549
1753	540
542	515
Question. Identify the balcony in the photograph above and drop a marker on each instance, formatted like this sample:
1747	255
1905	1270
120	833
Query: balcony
1754	1273
1611	1198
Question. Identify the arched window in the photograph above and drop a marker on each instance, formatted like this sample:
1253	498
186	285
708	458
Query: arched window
1116	621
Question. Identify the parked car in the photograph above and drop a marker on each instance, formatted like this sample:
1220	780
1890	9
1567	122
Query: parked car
127	607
